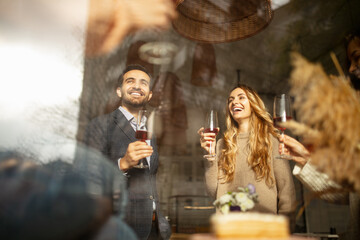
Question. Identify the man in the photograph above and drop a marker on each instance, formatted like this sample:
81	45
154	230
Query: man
353	54
114	135
308	174
353	57
319	182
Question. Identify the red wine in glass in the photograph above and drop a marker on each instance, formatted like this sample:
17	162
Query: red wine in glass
211	126
141	135
211	130
278	120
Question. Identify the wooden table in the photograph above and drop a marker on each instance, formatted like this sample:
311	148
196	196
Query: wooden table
208	236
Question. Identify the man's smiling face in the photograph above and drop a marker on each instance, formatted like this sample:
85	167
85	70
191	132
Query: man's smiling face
135	89
353	53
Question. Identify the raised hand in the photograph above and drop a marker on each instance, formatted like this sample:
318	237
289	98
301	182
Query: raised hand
207	140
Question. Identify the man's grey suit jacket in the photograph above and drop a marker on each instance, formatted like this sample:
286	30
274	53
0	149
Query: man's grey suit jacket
111	134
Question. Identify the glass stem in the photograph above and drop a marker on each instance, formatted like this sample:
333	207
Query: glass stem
282	142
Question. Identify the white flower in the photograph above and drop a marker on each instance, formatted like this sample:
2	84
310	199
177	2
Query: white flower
245	199
225	209
241	197
225	199
247	204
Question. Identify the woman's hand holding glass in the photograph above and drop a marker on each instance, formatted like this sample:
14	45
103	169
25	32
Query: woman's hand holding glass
208	142
208	134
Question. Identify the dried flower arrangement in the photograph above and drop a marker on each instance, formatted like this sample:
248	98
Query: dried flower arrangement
328	111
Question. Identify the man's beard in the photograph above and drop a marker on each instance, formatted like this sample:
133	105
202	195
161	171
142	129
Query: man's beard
135	104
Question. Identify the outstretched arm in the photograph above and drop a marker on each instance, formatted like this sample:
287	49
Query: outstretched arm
211	164
314	180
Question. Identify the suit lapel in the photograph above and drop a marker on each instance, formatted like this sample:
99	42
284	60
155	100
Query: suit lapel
154	156
121	121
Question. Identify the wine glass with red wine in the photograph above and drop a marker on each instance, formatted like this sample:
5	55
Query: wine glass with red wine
282	113
211	126
142	133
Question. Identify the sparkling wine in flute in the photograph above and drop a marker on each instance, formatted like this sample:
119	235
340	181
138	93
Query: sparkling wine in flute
211	126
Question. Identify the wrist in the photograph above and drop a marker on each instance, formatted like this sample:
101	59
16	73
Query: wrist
123	165
210	159
302	162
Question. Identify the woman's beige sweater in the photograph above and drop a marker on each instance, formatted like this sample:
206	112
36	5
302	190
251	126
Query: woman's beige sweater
279	199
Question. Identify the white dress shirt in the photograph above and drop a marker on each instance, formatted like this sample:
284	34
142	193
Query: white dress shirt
132	121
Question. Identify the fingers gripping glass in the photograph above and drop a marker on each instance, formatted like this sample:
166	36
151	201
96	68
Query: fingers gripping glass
211	126
282	113
142	134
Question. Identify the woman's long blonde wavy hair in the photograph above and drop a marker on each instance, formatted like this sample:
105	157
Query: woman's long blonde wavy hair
259	145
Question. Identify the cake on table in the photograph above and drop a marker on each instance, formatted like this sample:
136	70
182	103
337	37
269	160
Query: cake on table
250	225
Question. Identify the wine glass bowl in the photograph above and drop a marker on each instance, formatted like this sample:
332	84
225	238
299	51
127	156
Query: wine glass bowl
282	112
211	126
142	133
279	120
141	126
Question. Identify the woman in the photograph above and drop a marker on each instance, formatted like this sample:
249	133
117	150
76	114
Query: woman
246	154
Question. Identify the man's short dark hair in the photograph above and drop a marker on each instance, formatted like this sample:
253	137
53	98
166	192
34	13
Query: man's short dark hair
350	36
130	68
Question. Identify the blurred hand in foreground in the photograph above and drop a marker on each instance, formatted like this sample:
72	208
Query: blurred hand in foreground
295	149
109	21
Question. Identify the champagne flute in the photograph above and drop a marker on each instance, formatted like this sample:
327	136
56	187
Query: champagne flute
211	126
282	113
142	134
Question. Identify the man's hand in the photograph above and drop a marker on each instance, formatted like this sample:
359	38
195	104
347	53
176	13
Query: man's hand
136	151
295	149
